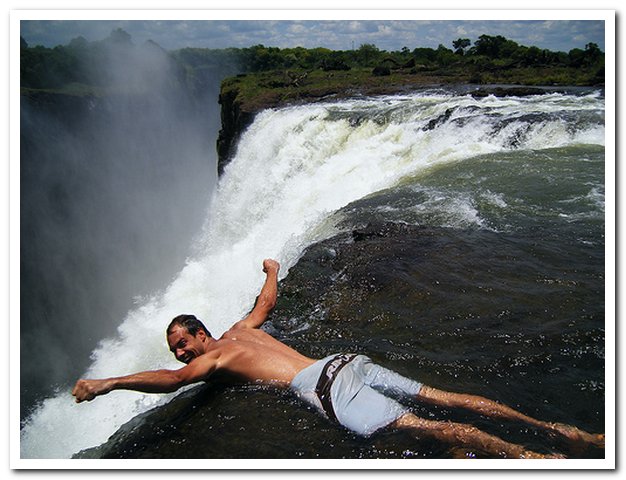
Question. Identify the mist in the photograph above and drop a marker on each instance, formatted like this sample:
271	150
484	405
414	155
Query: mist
113	190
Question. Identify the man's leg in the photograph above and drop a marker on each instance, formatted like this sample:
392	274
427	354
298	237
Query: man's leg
575	437
467	436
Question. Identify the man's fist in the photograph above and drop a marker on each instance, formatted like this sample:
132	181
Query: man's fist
270	264
89	389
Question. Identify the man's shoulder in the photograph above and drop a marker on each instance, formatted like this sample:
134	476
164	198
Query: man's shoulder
238	329
229	337
241	334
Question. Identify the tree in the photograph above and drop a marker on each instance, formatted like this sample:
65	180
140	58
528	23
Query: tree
460	45
576	57
592	53
424	55
495	47
119	36
445	56
78	43
367	54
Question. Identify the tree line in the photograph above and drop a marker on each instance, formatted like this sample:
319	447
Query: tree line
88	63
486	52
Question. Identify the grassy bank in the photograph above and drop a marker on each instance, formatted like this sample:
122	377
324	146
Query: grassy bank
256	91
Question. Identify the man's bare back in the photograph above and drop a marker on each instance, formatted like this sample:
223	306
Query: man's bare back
251	355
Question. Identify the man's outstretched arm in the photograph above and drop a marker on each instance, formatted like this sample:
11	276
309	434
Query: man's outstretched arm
266	300
155	381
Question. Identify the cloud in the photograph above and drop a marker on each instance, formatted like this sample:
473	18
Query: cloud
460	30
335	34
296	29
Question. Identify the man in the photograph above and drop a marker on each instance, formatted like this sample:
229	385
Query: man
347	388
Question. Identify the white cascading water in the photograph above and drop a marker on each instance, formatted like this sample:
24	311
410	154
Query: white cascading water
293	168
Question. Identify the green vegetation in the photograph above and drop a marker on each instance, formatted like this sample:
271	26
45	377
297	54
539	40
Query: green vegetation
265	75
298	74
112	65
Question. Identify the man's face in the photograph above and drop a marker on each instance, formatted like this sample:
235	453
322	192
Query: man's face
185	346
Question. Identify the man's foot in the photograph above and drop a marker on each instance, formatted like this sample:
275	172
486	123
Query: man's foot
578	439
460	452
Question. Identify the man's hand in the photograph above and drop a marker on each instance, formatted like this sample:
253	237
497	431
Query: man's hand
266	301
90	389
270	265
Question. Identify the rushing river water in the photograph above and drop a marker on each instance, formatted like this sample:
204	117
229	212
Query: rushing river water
456	240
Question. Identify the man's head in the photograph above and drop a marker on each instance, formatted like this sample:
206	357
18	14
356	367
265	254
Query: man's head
187	337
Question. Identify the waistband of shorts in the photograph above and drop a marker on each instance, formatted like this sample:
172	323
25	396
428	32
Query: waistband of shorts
327	377
308	377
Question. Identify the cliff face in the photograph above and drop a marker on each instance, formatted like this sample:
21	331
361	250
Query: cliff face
234	121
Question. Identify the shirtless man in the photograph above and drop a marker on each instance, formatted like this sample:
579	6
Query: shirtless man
348	388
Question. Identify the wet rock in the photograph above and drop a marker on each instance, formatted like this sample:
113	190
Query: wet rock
381	71
509	91
434	123
234	121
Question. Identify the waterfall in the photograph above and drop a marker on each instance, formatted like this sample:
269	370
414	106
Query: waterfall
293	169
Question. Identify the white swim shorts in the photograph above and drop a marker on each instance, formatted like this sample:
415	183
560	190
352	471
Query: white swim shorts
354	391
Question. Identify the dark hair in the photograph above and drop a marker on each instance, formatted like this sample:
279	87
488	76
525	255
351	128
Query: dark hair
189	322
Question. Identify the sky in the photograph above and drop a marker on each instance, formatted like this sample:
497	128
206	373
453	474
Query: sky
555	35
